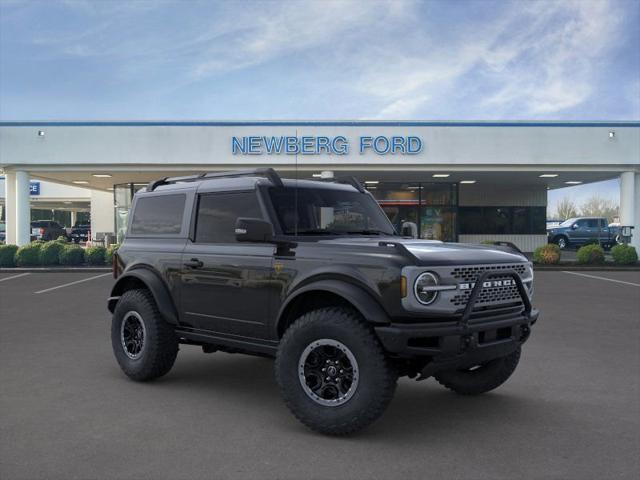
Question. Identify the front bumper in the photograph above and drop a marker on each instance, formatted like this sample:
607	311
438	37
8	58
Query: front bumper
482	338
475	337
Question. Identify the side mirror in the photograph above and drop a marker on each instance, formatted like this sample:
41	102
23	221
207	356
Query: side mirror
254	230
574	226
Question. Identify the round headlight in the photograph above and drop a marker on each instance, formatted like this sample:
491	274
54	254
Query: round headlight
422	288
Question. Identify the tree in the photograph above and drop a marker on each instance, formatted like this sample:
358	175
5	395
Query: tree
566	209
597	206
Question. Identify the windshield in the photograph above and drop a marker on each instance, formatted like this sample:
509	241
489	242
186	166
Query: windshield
569	222
324	211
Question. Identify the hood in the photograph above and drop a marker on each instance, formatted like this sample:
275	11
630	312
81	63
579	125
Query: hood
434	252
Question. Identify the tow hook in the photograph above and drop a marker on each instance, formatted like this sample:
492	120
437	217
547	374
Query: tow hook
468	342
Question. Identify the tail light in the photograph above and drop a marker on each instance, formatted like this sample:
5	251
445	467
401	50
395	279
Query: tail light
42	232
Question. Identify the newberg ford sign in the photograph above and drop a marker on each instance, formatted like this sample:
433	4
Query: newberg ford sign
311	145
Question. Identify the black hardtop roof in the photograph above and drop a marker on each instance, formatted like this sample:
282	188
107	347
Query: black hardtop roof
248	179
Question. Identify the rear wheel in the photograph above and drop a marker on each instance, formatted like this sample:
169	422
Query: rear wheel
480	378
144	345
332	372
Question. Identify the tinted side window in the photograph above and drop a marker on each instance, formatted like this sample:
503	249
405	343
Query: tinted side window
158	215
218	212
581	223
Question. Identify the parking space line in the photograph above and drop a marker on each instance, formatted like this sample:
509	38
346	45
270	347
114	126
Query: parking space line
72	283
14	276
602	278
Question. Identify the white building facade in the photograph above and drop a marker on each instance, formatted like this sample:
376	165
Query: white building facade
455	181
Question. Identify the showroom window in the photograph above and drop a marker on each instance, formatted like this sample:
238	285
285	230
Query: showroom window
218	213
502	220
425	210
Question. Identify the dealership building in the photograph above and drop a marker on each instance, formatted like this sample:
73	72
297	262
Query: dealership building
451	181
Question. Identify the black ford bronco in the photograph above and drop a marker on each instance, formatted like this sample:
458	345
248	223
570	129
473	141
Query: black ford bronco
313	274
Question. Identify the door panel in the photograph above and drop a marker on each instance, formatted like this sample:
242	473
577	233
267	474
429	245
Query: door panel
230	292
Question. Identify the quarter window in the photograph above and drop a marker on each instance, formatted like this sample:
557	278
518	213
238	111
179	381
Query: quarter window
218	212
158	215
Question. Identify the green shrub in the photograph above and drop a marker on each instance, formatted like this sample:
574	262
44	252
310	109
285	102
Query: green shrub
8	255
62	239
95	255
547	254
590	254
72	255
50	253
108	255
29	255
623	254
592	241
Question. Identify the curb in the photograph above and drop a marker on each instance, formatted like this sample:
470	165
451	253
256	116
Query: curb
55	269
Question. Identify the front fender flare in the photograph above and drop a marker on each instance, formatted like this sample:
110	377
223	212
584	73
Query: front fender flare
357	296
154	284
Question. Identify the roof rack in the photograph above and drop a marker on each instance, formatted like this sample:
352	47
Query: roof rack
348	180
270	173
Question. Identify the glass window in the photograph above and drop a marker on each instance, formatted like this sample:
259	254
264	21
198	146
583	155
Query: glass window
582	223
323	211
502	220
400	203
158	215
218	213
593	223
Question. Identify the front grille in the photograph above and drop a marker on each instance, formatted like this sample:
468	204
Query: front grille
469	274
498	295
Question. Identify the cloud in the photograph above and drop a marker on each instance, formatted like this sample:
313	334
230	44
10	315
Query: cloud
535	59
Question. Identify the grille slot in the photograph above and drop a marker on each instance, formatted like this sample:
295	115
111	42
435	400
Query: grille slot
470	274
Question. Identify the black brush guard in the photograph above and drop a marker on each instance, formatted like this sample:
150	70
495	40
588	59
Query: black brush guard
469	340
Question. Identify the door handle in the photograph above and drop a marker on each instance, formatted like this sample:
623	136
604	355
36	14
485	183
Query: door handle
194	263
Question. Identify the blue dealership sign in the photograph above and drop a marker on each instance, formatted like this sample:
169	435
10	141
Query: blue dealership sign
312	145
34	188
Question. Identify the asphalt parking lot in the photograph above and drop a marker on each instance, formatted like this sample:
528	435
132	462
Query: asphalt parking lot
570	411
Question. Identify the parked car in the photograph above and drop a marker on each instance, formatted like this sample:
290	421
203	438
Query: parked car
581	230
47	230
313	274
80	232
3	232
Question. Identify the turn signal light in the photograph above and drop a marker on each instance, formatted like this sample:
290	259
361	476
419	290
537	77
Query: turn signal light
403	286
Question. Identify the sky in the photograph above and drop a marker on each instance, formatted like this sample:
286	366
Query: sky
396	60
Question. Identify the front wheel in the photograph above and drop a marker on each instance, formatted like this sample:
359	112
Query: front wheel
332	372
480	378
562	242
144	345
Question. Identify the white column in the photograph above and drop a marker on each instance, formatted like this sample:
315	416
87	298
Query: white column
73	217
630	204
23	208
10	206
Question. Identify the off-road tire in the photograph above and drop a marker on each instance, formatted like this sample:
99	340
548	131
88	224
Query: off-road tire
482	379
160	343
377	376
